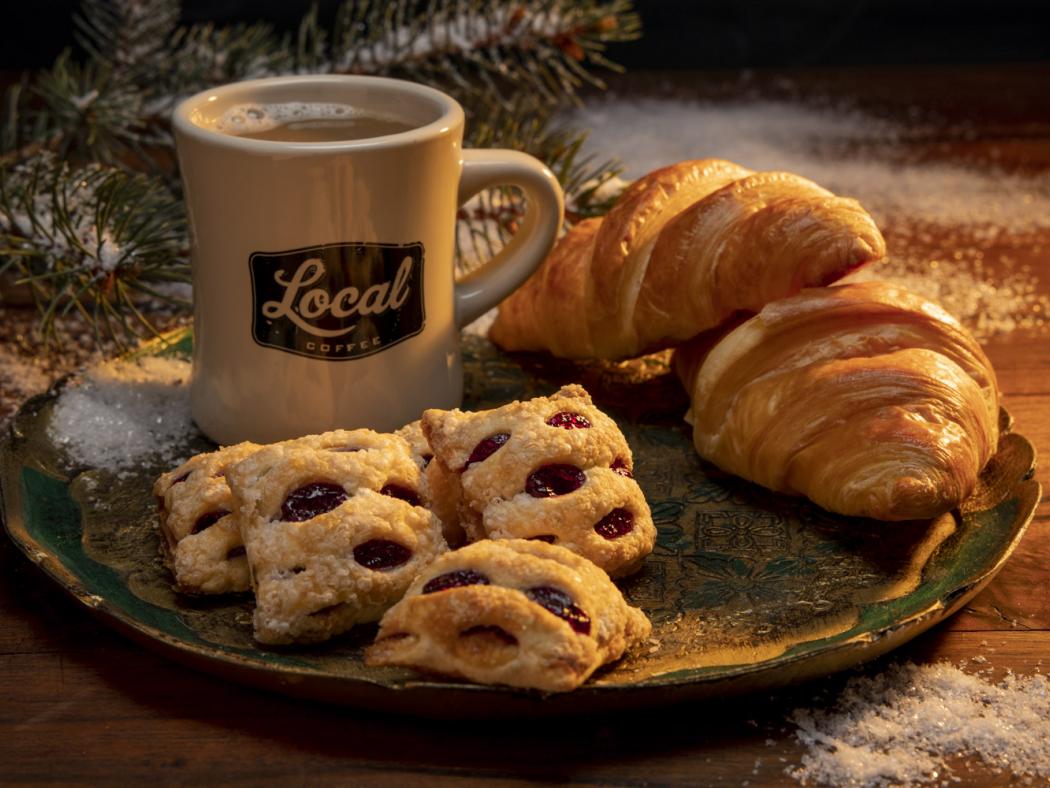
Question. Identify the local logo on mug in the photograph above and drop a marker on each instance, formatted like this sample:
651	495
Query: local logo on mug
337	301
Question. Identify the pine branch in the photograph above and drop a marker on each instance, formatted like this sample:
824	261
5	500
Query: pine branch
131	36
140	41
87	112
84	238
467	47
472	47
95	235
203	56
22	133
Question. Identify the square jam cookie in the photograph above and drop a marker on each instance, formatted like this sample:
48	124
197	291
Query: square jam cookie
554	469
199	525
334	530
511	611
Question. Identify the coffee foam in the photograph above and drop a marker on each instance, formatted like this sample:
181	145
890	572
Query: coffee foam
256	118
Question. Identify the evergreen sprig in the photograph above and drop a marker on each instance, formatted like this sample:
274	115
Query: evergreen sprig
131	36
86	111
94	239
103	121
539	48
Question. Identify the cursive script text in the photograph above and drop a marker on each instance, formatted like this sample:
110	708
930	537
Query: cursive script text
302	303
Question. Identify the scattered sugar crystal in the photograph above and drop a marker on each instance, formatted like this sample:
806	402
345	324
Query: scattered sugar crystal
899	727
987	307
841	149
20	376
122	414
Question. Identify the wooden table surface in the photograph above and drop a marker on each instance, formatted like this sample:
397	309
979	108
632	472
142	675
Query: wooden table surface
79	703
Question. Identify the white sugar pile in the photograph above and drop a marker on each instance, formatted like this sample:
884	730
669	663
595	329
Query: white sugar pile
123	413
899	727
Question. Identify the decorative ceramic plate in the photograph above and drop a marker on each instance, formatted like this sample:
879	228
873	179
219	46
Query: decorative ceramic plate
747	590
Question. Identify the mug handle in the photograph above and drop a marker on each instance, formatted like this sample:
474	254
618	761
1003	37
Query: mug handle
487	285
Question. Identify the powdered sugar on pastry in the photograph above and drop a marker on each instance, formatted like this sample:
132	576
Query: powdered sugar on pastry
554	469
334	531
512	612
199	524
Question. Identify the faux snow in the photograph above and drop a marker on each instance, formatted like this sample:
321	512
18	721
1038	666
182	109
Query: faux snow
900	726
124	413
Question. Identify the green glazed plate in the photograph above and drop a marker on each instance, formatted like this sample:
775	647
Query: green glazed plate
747	590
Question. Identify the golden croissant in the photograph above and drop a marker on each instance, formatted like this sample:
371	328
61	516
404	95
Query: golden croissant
683	249
865	398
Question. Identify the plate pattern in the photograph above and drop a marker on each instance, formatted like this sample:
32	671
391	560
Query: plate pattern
747	589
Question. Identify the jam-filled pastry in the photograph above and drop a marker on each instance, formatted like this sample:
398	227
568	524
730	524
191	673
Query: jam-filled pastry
199	526
511	611
555	469
440	491
334	531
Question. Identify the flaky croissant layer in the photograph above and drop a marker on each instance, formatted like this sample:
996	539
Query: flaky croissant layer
684	248
864	398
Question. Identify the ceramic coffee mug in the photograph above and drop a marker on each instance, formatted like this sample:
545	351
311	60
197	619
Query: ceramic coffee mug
324	290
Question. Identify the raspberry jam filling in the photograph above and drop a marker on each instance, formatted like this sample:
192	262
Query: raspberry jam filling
181	479
207	520
461	577
380	554
403	493
310	500
569	421
551	480
560	604
486	448
491	630
620	466
615	524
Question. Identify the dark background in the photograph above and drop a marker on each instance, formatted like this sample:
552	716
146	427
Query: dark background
683	33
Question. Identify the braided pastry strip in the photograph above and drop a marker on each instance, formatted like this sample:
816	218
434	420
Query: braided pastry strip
512	612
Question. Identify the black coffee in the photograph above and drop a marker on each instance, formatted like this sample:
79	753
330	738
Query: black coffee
307	122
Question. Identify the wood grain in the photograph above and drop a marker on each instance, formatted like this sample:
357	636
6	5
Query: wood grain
80	704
